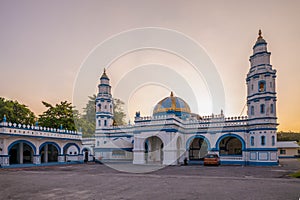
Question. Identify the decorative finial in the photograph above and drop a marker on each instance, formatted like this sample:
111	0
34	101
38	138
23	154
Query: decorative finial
259	33
104	71
172	94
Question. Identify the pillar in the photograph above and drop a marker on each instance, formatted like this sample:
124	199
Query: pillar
139	157
37	159
21	150
46	153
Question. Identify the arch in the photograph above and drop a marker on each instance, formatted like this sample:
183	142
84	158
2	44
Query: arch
230	135
189	141
154	149
198	146
70	144
262	86
21	152
23	141
53	143
85	149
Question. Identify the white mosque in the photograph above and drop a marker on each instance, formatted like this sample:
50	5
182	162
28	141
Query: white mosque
173	134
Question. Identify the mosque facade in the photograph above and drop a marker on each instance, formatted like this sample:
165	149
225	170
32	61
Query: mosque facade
174	134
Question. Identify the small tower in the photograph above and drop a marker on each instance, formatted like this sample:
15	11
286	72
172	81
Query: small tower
261	102
104	104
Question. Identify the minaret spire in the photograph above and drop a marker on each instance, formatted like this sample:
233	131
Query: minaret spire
259	34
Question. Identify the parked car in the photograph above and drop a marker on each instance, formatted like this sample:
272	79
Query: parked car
211	159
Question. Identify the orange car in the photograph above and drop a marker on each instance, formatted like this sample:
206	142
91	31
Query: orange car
211	159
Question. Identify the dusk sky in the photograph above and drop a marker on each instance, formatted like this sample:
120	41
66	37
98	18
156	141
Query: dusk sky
43	45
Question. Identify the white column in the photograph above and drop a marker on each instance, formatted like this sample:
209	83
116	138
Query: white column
139	157
46	153
21	150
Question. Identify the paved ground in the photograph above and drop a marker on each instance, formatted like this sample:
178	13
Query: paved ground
94	181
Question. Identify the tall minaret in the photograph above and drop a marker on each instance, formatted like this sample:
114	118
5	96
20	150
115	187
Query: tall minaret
261	99
104	104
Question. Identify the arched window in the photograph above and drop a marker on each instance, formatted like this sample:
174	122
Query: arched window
99	107
262	108
110	108
261	86
105	122
252	140
263	140
252	110
252	87
98	143
273	140
272	108
99	122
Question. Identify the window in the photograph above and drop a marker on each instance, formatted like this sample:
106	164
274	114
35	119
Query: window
98	143
262	86
252	140
282	151
99	107
110	108
252	87
252	110
263	140
271	84
262	108
105	122
273	140
70	152
99	122
272	108
105	107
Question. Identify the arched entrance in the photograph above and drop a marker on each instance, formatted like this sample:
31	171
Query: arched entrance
20	152
154	150
198	149
49	153
230	146
86	152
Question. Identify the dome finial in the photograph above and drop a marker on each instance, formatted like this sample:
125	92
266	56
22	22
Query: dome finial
171	94
259	33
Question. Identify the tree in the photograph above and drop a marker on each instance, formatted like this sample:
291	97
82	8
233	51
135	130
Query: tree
119	114
15	112
59	116
87	121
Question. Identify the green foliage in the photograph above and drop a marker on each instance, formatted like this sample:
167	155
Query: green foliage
15	112
87	121
295	174
119	114
58	115
288	136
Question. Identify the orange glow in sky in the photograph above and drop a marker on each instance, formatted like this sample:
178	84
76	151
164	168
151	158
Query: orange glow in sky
44	43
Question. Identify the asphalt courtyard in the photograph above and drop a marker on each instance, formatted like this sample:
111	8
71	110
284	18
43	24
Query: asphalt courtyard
96	181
